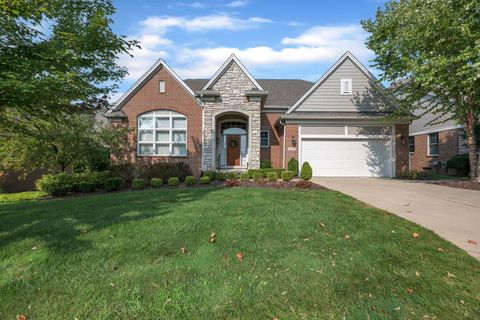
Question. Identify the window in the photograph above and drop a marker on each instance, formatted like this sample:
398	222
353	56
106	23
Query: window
161	86
264	139
411	144
162	133
346	86
433	144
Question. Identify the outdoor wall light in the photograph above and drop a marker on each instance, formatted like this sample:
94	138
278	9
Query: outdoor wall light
294	142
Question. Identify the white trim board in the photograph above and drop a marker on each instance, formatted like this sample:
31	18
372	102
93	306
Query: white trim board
143	79
224	66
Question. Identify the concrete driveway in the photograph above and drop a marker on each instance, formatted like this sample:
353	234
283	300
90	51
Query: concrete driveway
452	213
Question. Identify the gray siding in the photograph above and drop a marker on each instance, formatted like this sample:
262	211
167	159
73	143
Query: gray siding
364	98
423	123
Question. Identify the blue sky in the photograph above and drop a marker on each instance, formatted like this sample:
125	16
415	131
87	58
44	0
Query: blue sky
274	39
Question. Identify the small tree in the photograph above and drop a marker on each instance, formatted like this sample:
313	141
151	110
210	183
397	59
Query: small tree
306	173
293	166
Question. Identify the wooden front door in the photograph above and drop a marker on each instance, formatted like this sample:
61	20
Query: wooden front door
233	151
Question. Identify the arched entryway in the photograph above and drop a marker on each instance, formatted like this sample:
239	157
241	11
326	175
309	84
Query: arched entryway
232	141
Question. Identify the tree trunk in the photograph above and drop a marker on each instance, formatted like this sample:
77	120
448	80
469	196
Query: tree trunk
472	146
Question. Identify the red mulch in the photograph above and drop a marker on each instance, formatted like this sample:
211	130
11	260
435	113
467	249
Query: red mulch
293	184
460	184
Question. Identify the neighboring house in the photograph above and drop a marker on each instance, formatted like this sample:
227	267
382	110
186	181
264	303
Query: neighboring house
233	121
433	141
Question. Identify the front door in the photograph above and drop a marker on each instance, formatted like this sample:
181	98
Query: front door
233	151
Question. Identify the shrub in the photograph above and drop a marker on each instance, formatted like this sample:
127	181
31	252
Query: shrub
265	164
306	173
210	174
163	170
232	175
257	176
272	176
251	172
126	171
293	166
96	177
287	175
138	184
190	180
205	180
244	176
87	186
221	176
173	181
416	175
460	163
55	184
113	183
156	182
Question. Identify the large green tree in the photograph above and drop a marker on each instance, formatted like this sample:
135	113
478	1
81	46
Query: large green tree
430	50
57	56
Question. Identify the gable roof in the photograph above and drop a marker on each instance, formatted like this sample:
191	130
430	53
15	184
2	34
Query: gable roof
143	79
223	68
281	92
345	56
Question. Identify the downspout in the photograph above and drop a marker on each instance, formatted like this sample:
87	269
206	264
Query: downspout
284	135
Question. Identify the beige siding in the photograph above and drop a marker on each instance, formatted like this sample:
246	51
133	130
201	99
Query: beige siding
327	96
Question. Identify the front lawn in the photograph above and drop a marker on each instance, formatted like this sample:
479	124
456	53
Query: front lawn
117	256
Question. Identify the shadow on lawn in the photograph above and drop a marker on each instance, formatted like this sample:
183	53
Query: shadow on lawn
59	224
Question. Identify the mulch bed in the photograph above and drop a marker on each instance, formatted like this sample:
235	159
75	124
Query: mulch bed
292	184
460	184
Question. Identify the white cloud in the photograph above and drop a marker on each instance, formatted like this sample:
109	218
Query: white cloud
329	36
295	23
221	21
237	4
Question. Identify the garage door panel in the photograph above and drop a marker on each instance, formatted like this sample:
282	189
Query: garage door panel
347	158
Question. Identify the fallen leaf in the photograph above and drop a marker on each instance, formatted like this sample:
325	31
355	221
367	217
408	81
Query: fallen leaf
183	250
441	249
275	318
21	316
225	255
417	273
322	225
346	237
472	241
410	290
155	285
415	235
213	237
450	275
34	248
397	308
239	256
112	284
462	302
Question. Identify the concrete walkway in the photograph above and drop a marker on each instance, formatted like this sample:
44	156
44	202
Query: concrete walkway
452	213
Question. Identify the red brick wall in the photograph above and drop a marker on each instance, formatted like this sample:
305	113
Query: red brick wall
274	153
448	147
291	131
401	151
175	98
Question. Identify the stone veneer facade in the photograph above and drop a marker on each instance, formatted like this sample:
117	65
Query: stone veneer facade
231	85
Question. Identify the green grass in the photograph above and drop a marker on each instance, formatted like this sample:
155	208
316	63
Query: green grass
116	256
21	196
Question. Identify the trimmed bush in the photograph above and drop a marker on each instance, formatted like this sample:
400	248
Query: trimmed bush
55	184
205	180
163	170
244	176
126	171
190	180
138	184
210	174
173	181
265	164
287	175
113	183
272	176
264	172
232	175
87	187
460	163
257	176
221	176
95	177
293	166
156	182
306	173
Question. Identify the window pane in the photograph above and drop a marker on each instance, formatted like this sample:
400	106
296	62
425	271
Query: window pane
433	138
161	86
145	135
434	149
162	136
146	149
162	112
179	150
179	123
163	123
163	149
264	139
179	136
145	123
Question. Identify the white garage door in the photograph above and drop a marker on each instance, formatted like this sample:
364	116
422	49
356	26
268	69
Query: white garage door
348	158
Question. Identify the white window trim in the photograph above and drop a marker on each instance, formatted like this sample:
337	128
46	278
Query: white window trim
411	152
345	93
268	139
160	86
171	115
428	144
